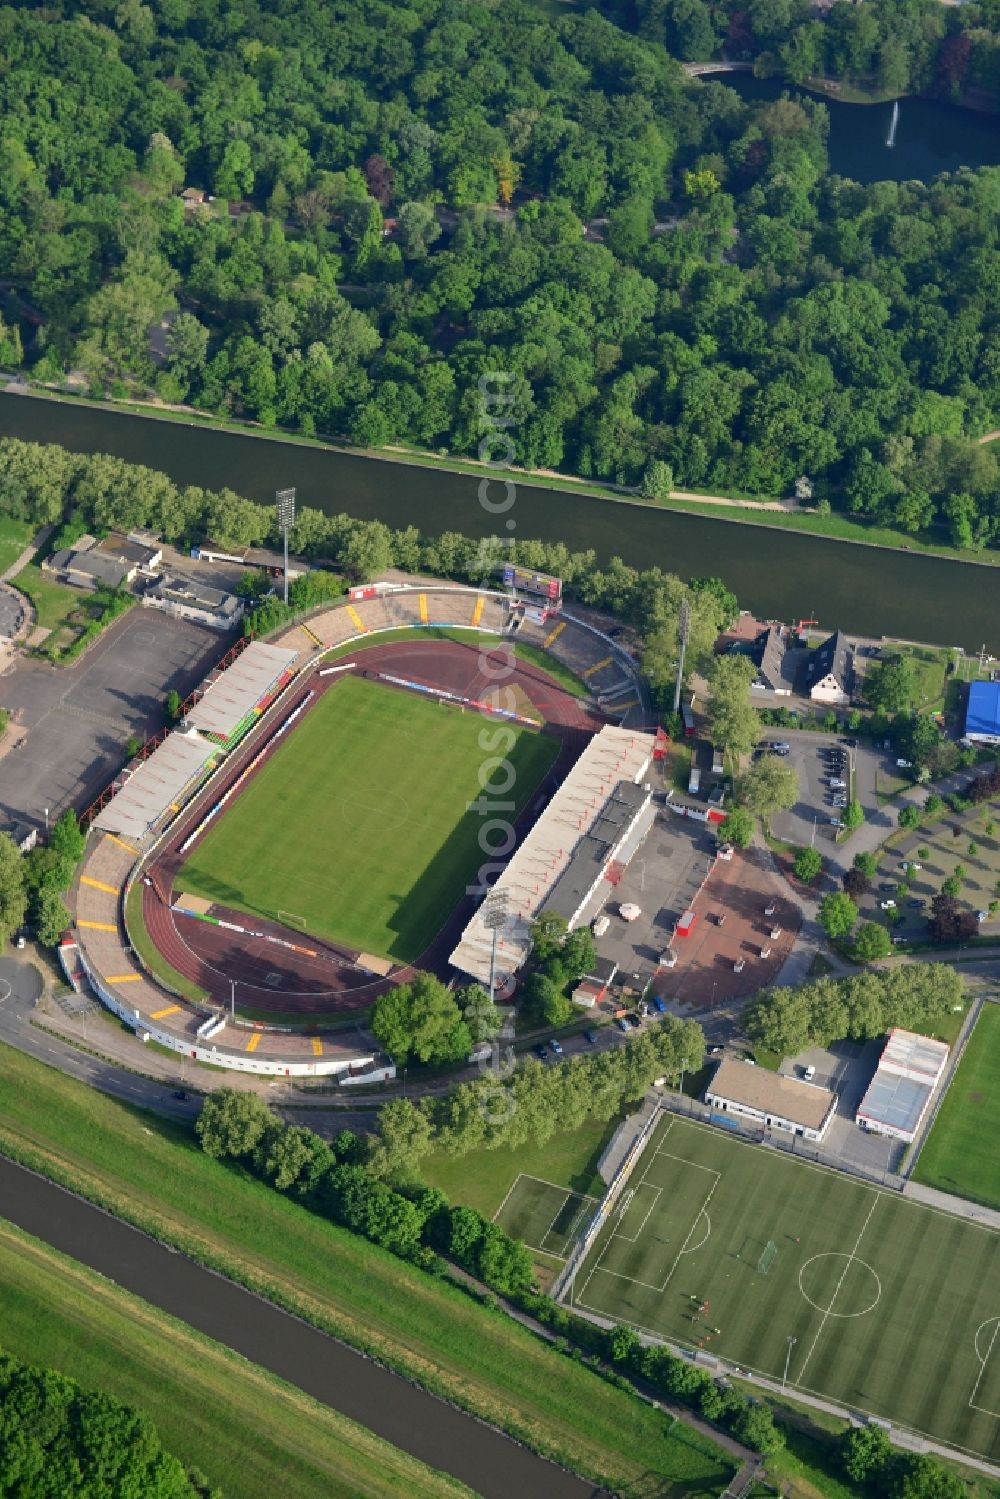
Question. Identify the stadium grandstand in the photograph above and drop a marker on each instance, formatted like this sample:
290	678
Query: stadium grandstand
601	666
592	800
233	702
158	786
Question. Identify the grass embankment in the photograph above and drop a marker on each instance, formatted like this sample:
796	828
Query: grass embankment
959	1154
532	654
53	602
368	769
249	1432
14	537
152	1173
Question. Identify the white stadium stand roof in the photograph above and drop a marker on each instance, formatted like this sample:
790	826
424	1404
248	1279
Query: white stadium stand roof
231	697
152	789
612	756
909	1070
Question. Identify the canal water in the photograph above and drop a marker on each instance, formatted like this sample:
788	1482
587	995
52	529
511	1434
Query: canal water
777	574
930	137
418	1423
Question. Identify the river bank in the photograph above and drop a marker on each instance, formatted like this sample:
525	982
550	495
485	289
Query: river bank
740	509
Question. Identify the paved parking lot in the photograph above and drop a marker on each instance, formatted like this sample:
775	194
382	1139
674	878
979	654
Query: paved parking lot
848	1067
78	718
809	820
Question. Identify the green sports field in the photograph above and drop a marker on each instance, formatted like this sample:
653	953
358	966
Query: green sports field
894	1307
960	1153
357	828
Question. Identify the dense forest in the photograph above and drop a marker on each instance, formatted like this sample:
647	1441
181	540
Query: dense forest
888	46
406	198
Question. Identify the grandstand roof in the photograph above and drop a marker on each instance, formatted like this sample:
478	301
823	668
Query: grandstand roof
612	756
158	782
231	697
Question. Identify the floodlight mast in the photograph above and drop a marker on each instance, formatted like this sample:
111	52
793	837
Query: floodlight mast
495	913
684	631
284	502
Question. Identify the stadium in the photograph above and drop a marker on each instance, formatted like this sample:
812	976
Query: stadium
322	820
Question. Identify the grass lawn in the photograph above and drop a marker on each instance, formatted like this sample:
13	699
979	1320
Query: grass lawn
152	1173
357	828
14	537
532	654
960	1153
880	1293
54	602
483	1178
249	1432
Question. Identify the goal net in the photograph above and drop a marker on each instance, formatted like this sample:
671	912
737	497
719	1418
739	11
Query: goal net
768	1256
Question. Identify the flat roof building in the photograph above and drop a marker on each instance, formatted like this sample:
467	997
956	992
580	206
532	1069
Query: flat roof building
770	1099
908	1072
982	713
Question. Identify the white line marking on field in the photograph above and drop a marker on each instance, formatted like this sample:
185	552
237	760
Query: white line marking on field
833	1298
984	1362
631	1238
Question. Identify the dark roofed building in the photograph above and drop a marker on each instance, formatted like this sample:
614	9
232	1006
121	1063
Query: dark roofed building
604	842
830	671
770	655
89	569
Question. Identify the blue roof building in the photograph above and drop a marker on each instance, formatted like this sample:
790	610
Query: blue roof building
982	713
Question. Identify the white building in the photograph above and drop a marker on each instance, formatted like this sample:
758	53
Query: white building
770	1100
909	1070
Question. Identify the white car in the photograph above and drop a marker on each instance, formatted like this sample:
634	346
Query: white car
982	916
808	1073
904	764
887	905
836	783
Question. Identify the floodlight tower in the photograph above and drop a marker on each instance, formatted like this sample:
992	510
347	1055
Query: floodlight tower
685	630
495	913
284	503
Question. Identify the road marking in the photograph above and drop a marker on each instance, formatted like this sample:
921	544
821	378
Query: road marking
423	608
553	635
122	844
477	613
162	1014
356	620
99	885
254	1041
123	978
317	1046
607	660
98	926
312	636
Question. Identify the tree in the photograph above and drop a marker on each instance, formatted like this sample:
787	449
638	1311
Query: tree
853	815
480	1014
867	863
548	932
770	785
66	840
918	1476
837	915
545	1002
754	1425
404	1138
173	704
865	1453
232	1123
13	896
50	914
421	1021
808	864
872	942
418	229
890	684
657	481
949	922
737	828
856	883
909	816
735	723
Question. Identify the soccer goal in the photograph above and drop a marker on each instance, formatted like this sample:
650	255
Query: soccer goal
768	1256
292	918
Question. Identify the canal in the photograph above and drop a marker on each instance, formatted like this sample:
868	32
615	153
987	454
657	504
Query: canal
777	574
404	1415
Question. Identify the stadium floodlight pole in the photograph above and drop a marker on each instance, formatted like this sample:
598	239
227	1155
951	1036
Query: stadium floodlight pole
232	998
495	913
788	1358
284	501
685	630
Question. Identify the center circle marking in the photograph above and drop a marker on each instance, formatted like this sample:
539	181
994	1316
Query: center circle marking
847	1260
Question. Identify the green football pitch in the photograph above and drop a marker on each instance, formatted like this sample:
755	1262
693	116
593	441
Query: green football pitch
960	1153
357	828
730	1247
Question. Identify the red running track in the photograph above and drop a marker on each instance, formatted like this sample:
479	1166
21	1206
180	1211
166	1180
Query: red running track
271	980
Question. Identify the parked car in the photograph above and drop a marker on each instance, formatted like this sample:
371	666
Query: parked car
914	903
835	822
808	1073
888	905
556	1046
541	1052
659	1005
902	764
982	916
590	1037
180	1093
851	743
837	783
621	1023
887	885
634	1020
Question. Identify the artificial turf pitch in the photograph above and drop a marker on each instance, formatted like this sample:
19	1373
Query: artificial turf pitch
357	828
960	1153
894	1307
